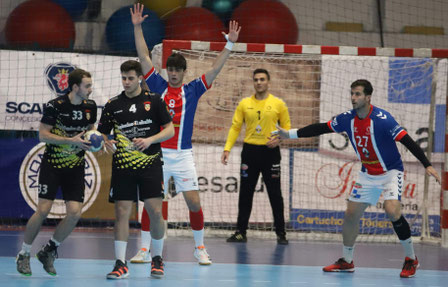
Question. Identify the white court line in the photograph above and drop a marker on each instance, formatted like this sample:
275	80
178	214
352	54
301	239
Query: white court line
298	282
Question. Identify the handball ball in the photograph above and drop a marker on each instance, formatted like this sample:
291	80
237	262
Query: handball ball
96	140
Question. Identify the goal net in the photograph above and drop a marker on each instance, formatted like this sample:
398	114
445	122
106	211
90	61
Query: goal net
317	173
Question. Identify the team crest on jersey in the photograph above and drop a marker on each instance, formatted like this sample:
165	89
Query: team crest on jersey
57	77
88	115
147	106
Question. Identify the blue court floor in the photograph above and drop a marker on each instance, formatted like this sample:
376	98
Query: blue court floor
86	257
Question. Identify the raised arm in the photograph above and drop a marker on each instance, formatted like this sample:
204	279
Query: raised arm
232	37
142	49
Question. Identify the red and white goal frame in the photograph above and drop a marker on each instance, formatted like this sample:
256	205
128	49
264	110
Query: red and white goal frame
170	45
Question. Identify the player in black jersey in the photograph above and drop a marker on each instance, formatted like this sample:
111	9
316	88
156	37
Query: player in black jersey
65	120
140	121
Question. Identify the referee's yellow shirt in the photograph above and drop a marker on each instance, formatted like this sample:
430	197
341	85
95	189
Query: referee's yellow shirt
261	117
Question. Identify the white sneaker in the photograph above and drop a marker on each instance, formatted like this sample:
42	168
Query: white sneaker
142	256
201	254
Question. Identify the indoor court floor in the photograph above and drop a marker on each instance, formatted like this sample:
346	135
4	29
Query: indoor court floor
87	256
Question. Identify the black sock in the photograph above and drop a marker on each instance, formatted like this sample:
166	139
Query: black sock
401	227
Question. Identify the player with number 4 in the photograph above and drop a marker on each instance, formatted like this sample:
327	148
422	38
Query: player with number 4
182	100
373	133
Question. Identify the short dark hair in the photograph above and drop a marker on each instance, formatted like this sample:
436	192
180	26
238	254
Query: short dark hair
76	76
263	71
368	89
132	65
177	61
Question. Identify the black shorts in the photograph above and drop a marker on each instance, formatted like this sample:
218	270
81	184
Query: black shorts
136	184
71	182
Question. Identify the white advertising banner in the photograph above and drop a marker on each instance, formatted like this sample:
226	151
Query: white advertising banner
30	79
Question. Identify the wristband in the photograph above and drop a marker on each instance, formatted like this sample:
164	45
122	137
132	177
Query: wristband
229	44
293	134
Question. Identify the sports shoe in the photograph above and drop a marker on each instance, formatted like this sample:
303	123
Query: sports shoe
23	264
340	266
157	267
409	267
237	237
202	256
281	239
142	256
120	271
47	257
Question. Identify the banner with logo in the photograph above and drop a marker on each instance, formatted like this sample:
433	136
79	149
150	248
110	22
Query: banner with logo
20	168
29	79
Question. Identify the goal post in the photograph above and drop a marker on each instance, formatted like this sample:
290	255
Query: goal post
317	173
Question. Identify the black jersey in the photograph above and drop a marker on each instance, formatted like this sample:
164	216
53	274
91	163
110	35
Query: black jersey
67	120
129	118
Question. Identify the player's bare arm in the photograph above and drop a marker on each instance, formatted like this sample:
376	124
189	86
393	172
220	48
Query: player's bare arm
46	136
234	31
143	143
225	157
142	49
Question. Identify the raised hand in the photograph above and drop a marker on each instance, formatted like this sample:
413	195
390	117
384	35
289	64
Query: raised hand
137	14
234	31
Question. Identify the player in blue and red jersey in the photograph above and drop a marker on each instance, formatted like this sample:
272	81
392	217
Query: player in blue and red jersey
373	133
182	100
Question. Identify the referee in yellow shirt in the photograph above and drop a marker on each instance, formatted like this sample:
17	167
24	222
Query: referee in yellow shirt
260	112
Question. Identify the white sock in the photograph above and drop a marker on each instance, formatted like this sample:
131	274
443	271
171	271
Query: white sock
408	248
157	247
198	237
26	249
120	250
146	239
347	253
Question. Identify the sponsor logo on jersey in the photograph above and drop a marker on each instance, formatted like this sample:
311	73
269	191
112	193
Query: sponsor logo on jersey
57	77
29	179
